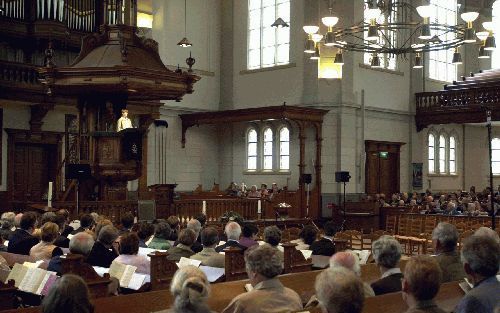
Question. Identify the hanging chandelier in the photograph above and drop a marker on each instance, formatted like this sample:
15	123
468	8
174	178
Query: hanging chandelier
397	28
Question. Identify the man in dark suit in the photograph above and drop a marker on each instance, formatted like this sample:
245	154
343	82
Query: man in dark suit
21	240
325	245
80	243
67	229
61	241
233	232
103	253
127	222
86	222
387	252
481	259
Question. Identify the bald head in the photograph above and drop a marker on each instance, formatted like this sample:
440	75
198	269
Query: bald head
346	259
81	243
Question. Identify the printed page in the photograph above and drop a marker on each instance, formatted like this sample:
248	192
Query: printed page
145	251
6	243
48	284
363	255
185	262
101	270
248	287
306	253
18	272
117	269
127	275
44	282
32	280
70	236
212	273
4	274
33	265
136	281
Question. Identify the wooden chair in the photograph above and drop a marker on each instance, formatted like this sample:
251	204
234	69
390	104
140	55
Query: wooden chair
234	264
415	226
368	239
430	222
461	227
73	263
294	260
344	240
464	235
391	223
404	225
356	239
162	270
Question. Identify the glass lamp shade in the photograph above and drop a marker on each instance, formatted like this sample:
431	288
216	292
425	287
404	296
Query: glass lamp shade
330	21
316	37
184	43
339	58
482	35
309	46
373	14
330	39
425	11
488	25
469	35
372	32
457	58
425	32
375	62
310	29
483	54
316	54
418	62
490	43
469	17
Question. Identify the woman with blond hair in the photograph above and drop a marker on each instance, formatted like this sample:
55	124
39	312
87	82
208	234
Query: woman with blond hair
46	249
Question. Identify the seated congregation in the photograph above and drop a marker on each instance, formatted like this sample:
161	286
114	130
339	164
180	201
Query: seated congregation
394	282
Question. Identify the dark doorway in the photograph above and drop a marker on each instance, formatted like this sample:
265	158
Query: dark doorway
382	167
34	167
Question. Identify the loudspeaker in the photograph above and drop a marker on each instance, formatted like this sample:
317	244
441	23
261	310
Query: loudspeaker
78	171
146	210
342	177
307	178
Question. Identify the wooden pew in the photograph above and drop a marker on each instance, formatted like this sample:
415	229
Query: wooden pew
448	297
234	264
294	260
162	270
7	295
13	258
73	264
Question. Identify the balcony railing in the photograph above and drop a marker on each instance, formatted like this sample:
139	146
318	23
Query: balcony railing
18	73
457	98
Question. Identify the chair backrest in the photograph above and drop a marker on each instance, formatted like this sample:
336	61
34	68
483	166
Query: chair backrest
74	264
404	225
355	238
234	264
162	270
391	223
415	226
430	223
294	260
461	227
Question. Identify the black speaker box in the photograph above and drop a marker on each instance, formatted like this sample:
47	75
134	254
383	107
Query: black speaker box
342	177
307	178
78	171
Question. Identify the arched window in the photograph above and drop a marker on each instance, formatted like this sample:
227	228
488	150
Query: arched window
432	154
495	161
268	149
284	149
442	154
452	164
252	150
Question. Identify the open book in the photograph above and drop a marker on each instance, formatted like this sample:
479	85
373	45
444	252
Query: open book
126	275
212	273
32	279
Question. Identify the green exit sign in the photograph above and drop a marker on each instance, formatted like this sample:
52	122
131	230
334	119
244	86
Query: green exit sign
383	155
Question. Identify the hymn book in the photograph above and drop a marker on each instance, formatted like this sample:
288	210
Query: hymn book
32	279
126	275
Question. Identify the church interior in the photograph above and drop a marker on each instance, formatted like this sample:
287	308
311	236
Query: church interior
249	156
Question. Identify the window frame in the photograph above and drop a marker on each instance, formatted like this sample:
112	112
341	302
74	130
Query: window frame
264	155
279	147
261	29
435	60
493	160
247	146
446	149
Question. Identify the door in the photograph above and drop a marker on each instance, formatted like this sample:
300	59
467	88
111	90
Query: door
382	167
31	171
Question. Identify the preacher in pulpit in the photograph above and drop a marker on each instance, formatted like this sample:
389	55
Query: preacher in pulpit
123	122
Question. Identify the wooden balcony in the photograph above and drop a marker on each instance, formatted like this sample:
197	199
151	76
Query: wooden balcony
464	101
20	79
